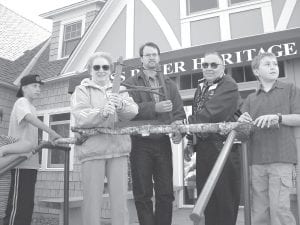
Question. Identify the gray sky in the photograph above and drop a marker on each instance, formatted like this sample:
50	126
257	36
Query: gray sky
31	9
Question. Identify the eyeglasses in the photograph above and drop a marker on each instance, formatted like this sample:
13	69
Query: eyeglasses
104	67
149	55
212	65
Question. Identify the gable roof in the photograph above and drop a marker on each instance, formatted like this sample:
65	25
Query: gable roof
5	70
18	34
10	70
48	69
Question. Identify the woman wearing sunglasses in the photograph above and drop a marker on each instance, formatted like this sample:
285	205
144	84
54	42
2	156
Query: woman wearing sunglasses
102	155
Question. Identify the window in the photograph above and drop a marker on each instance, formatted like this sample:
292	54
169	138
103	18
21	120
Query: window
58	120
231	2
189	81
245	74
71	37
60	123
40	138
201	5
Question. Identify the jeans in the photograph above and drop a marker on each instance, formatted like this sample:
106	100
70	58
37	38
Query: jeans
151	167
222	208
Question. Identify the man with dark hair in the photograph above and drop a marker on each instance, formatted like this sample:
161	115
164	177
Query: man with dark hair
216	100
151	156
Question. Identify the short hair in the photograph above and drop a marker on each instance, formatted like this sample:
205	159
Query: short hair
214	53
257	59
149	44
104	55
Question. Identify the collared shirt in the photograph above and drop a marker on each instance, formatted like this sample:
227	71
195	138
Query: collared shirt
153	81
273	145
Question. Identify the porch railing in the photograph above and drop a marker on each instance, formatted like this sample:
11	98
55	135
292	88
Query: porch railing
197	214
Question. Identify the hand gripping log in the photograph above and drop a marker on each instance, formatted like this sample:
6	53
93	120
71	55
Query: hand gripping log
116	85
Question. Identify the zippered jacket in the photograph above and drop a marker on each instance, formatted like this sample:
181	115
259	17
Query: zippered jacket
87	103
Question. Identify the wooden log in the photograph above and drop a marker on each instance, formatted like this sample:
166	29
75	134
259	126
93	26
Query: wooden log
221	128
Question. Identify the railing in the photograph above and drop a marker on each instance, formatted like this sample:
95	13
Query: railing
224	128
197	214
12	162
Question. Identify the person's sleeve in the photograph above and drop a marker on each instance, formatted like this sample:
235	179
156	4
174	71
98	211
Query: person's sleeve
178	110
295	100
22	108
220	107
129	109
86	116
146	110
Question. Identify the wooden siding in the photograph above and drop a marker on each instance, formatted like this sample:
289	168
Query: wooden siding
50	184
54	41
90	16
7	100
53	95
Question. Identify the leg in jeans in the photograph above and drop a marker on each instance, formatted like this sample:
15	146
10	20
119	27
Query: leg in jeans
260	212
280	183
227	195
163	183
117	176
93	182
203	167
223	205
141	161
21	197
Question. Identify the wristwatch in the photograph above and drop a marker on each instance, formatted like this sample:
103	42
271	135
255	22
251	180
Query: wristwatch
279	118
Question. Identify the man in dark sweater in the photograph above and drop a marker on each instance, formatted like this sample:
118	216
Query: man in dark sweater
151	156
216	100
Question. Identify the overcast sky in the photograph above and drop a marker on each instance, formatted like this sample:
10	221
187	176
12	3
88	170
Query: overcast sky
31	9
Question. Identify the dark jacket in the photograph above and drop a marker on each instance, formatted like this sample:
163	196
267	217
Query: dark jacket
220	106
146	102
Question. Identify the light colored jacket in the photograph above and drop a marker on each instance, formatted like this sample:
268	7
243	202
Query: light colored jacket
87	103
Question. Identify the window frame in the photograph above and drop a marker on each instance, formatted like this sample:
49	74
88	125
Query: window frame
188	7
45	152
238	3
61	33
223	14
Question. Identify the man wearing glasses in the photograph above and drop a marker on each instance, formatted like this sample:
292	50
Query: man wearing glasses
151	156
216	100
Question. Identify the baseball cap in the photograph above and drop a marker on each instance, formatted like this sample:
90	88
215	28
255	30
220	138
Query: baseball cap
29	79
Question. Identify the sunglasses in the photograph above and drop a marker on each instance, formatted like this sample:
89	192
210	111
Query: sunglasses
104	67
212	65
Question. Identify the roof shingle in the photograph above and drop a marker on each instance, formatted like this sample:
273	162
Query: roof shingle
18	34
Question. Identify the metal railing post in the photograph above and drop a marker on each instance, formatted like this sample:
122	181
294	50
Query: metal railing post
197	213
246	183
66	149
66	186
